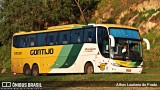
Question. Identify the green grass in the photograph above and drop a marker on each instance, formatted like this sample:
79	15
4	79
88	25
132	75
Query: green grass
83	81
153	74
82	77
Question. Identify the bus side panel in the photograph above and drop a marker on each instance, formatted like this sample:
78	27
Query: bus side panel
20	66
87	53
16	60
47	61
14	65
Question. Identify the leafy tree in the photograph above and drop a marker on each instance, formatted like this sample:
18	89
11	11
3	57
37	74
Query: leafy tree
86	8
28	15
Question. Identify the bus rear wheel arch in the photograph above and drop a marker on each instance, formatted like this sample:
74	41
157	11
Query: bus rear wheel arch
35	70
26	70
88	68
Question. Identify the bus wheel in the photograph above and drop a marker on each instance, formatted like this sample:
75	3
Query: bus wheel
89	68
26	70
35	70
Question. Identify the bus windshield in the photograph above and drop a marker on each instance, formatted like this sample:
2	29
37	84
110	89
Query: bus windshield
127	44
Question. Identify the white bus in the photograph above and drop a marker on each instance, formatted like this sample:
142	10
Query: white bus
93	48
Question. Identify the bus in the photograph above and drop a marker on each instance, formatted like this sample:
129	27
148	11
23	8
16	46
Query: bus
76	48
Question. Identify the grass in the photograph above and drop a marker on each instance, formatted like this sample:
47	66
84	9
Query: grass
151	73
85	82
83	77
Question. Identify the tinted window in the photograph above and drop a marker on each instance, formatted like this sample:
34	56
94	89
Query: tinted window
64	37
53	38
90	35
103	41
23	41
77	36
31	40
42	39
16	41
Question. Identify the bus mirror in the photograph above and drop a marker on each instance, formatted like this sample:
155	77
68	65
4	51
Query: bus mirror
147	42
112	41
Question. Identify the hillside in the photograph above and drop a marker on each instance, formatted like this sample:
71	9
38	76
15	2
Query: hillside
143	14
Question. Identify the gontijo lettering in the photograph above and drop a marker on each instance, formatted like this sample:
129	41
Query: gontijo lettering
42	51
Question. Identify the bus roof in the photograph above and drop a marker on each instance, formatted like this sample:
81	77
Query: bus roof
64	27
114	25
74	26
53	28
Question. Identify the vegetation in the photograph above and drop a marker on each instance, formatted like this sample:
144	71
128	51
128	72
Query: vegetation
153	74
110	20
28	15
144	16
4	56
152	57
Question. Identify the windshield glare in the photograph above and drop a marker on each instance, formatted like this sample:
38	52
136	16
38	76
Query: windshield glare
127	50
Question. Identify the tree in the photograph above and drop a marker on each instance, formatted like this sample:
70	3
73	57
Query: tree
29	15
80	9
86	8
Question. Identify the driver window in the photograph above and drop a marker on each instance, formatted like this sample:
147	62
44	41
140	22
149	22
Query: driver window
103	41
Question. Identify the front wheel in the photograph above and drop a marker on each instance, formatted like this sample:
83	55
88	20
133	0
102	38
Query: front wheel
89	68
35	70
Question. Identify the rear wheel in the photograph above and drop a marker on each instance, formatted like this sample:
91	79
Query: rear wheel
26	70
89	68
35	70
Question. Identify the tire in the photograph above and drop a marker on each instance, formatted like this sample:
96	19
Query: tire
26	70
88	69
35	70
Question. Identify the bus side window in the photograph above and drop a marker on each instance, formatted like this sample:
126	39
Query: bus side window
56	38
31	40
42	39
77	36
45	40
53	38
64	37
50	39
23	41
16	41
90	35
